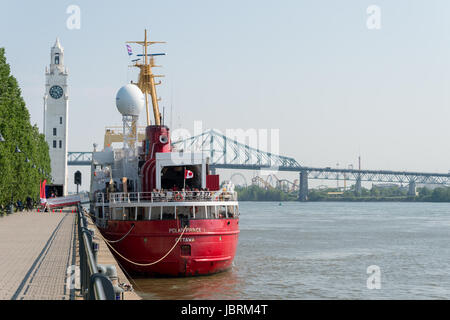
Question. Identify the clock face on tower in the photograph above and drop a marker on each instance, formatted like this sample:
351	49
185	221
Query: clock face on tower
56	92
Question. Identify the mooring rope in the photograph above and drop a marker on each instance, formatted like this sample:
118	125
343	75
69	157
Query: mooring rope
115	241
146	264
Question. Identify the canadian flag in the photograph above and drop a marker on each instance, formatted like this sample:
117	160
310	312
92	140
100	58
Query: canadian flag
188	174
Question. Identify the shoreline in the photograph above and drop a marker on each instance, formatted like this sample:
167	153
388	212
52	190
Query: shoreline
356	200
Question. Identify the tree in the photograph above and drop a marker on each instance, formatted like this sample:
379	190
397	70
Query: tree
18	178
440	194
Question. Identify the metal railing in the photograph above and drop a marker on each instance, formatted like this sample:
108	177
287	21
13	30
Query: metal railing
94	285
167	196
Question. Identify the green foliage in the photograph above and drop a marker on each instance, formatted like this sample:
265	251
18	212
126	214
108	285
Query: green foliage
18	179
255	193
440	195
376	193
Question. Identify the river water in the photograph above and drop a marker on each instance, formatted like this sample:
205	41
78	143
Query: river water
323	250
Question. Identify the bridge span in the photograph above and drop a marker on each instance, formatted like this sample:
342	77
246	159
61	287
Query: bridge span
227	153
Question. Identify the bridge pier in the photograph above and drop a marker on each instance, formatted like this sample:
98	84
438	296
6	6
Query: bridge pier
303	186
358	186
412	188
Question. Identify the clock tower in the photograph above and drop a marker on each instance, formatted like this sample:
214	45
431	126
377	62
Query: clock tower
56	107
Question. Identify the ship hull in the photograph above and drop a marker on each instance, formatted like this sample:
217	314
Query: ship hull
207	246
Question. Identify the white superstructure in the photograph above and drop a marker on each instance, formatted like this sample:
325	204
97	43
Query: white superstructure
56	115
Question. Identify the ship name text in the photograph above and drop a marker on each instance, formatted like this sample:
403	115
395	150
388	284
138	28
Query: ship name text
179	230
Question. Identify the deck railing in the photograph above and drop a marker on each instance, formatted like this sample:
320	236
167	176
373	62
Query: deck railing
166	196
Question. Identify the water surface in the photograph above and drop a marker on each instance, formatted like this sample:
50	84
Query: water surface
321	250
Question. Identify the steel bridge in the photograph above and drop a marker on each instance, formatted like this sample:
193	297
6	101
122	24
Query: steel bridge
80	158
227	153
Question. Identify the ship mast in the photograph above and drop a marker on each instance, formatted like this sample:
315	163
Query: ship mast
147	79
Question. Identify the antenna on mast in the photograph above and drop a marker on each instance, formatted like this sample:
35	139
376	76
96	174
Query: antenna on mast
147	79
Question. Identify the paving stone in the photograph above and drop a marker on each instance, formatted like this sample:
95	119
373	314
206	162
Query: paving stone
36	248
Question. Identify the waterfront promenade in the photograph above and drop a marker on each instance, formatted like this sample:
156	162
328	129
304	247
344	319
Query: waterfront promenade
36	249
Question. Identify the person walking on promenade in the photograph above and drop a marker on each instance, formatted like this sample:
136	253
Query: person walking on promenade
19	206
29	203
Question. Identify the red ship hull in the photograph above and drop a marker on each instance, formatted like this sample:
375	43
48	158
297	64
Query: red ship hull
207	246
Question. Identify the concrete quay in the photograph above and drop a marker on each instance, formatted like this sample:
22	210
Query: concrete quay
36	249
37	253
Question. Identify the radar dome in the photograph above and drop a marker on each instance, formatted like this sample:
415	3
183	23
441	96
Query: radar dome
130	100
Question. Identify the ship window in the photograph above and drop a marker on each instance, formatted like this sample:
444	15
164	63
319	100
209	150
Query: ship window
186	250
185	212
168	213
128	213
231	211
211	210
200	212
118	214
147	213
222	212
156	213
140	213
106	213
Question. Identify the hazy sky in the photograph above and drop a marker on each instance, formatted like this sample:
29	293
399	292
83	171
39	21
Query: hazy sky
312	69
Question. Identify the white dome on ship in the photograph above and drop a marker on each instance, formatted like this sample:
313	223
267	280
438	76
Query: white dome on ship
130	100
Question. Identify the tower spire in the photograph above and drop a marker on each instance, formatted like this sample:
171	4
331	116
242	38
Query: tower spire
57	44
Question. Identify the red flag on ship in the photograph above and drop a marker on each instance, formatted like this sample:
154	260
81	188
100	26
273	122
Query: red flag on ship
188	174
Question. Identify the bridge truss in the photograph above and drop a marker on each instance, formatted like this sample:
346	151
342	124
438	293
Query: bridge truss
227	153
81	158
385	176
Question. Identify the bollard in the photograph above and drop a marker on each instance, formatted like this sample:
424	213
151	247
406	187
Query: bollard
109	270
95	250
118	291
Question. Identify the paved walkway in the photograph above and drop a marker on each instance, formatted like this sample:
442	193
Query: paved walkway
36	250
